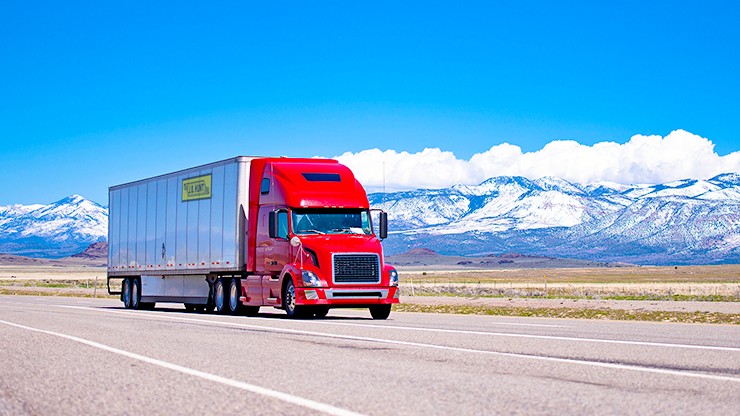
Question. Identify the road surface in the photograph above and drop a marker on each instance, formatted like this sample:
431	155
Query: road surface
89	356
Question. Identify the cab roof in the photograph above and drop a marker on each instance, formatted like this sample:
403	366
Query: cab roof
317	183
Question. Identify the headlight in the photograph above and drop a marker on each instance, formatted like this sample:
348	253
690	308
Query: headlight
394	277
310	279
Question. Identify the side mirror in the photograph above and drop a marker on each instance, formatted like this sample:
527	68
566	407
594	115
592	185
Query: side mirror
273	225
383	225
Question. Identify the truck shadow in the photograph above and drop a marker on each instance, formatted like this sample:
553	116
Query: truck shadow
278	315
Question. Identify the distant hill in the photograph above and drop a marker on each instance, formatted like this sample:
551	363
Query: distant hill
424	259
95	255
95	251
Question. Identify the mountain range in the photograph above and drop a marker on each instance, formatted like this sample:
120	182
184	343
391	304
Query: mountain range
60	229
682	222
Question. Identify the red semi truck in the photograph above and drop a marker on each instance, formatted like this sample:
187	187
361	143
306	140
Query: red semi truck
246	232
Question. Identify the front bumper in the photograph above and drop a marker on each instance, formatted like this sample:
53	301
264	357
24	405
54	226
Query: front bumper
347	297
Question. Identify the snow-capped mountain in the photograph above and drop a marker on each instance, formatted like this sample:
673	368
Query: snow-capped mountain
59	229
682	222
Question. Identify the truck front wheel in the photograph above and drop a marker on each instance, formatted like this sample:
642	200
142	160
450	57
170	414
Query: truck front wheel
321	311
293	310
380	311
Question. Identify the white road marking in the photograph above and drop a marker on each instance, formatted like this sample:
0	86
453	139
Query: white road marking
496	334
289	398
499	323
555	337
422	345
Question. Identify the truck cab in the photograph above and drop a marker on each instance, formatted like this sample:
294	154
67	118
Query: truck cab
315	245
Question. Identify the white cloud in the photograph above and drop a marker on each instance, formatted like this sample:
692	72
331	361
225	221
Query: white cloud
643	159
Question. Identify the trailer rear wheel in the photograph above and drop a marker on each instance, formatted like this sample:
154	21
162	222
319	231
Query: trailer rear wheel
126	293
235	292
293	310
135	293
219	296
380	311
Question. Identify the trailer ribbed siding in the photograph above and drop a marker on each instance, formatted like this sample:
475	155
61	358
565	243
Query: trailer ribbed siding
187	222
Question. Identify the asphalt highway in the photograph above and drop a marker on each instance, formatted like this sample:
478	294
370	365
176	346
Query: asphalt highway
74	356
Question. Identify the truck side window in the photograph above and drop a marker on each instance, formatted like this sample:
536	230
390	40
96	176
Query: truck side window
265	186
282	224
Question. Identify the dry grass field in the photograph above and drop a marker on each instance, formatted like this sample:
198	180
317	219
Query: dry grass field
695	283
625	274
19	272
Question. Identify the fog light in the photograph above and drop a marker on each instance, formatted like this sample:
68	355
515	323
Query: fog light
311	295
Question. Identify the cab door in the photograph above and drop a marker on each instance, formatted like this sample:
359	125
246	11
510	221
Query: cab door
273	253
277	249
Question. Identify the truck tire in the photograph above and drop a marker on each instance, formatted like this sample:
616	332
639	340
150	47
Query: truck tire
294	311
235	291
321	311
126	293
219	296
380	311
135	293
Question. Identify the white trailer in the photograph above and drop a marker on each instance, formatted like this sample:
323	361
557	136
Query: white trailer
168	235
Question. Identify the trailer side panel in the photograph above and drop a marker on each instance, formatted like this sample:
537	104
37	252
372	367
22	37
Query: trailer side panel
186	222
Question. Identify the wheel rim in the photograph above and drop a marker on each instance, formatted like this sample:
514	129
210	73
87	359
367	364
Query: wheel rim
290	298
233	296
219	295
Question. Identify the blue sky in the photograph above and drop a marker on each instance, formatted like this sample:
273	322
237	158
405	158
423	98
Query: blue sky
94	94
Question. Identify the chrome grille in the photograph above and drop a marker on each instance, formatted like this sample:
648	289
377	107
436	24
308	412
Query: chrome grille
356	268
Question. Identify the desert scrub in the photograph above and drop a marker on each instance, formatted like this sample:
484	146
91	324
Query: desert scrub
57	283
705	292
577	313
29	291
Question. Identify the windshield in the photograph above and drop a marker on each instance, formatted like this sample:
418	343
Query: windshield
331	221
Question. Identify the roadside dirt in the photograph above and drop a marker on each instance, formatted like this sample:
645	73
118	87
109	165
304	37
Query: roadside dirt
630	305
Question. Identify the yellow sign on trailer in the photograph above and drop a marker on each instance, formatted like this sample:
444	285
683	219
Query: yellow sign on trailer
196	188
